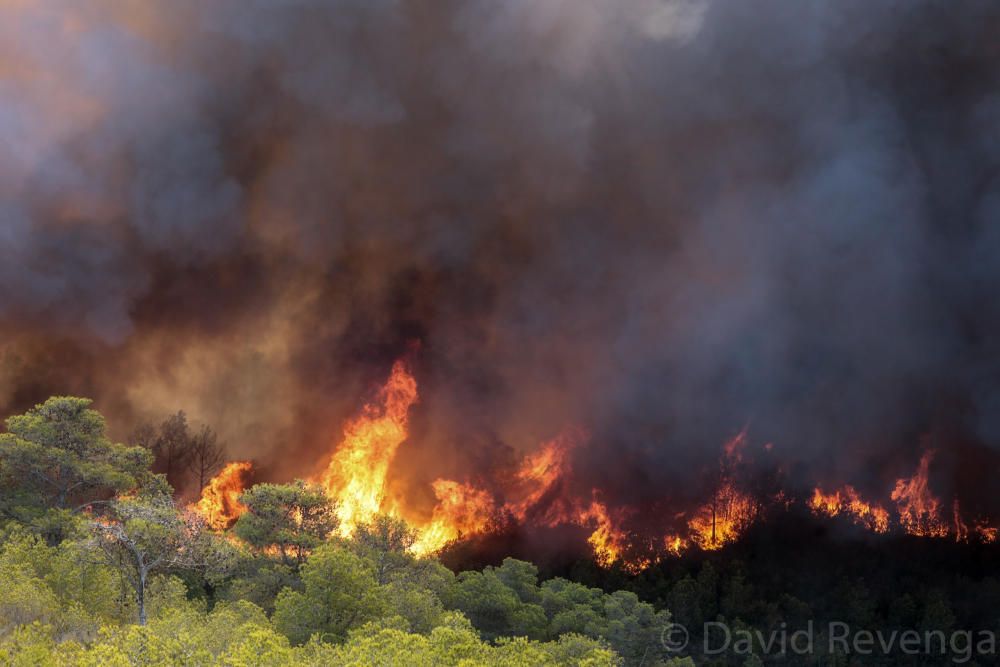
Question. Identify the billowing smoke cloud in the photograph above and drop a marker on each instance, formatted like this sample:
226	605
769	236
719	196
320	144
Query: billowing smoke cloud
663	220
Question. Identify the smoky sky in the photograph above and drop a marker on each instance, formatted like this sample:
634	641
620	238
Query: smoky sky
660	220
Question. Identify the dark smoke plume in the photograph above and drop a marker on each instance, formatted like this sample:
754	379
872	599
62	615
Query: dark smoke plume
663	220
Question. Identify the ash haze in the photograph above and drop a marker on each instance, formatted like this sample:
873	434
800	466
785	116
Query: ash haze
660	220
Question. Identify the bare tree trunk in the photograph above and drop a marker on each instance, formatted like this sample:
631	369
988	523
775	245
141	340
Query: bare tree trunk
140	597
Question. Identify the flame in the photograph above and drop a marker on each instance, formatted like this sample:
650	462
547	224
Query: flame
540	492
540	480
961	528
606	540
987	534
461	510
919	509
537	483
730	512
219	504
848	501
724	519
356	475
675	545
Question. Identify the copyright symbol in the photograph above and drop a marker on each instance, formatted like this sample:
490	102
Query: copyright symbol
674	638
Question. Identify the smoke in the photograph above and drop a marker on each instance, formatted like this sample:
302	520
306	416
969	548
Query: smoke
662	220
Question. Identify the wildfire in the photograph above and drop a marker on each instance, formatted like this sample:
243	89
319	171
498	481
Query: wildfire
675	545
219	504
730	512
606	540
986	533
462	509
722	520
848	501
540	492
537	483
919	509
961	528
356	475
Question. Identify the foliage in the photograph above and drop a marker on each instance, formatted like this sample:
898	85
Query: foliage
140	536
385	541
289	520
508	601
259	580
340	593
94	540
56	457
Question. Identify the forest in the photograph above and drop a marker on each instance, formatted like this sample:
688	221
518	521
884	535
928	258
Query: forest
102	565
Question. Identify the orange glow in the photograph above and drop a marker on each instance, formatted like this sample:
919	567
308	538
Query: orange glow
987	534
219	504
848	501
961	529
606	540
461	510
730	512
675	545
356	475
542	491
538	477
722	520
919	510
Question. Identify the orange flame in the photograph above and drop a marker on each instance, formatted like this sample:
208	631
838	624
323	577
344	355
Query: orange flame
540	492
219	504
543	502
605	539
724	519
987	534
675	545
919	509
961	528
848	501
537	482
461	510
730	512
356	475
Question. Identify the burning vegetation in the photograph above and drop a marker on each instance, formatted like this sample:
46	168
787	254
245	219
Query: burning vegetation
541	492
220	504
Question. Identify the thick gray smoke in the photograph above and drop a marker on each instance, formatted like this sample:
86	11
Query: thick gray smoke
663	220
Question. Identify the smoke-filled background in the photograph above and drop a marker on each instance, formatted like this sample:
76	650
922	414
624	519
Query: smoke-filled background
658	220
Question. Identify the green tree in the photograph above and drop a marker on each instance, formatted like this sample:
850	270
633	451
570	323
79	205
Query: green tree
287	519
685	600
144	535
522	578
259	580
58	454
386	542
937	613
494	608
340	593
55	459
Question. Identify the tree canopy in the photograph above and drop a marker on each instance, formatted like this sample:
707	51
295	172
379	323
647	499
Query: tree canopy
289	520
57	457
